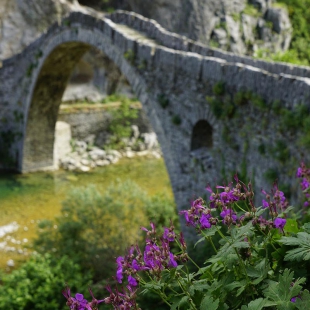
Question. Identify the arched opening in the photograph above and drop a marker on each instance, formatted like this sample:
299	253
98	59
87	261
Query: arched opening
43	109
202	135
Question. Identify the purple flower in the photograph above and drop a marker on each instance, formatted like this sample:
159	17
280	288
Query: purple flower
265	204
119	275
228	216
299	172
204	221
182	240
190	220
93	304
169	234
172	262
132	281
135	265
279	223
304	184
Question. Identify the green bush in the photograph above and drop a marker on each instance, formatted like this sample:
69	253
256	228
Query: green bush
299	52
219	89
94	228
37	284
120	125
176	120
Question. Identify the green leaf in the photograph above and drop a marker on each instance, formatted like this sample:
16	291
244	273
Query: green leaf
201	285
241	245
200	240
183	301
257	304
303	302
281	292
234	285
303	250
241	290
291	226
306	227
210	232
209	304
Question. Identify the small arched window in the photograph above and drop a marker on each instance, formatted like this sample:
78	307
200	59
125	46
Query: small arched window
202	135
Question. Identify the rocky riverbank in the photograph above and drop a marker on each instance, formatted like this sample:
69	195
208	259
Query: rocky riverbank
79	155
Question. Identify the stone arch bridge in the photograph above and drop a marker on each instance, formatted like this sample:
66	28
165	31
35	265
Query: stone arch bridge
214	112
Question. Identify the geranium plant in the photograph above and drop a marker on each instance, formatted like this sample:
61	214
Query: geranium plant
252	265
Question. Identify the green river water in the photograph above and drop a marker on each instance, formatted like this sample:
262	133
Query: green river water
27	199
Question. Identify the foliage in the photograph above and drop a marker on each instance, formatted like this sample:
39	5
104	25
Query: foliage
299	52
163	100
120	125
219	89
36	284
252	10
176	120
95	227
117	98
130	56
271	175
251	266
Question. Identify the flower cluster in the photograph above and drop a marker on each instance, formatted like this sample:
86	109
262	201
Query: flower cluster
304	174
79	302
156	257
275	201
200	216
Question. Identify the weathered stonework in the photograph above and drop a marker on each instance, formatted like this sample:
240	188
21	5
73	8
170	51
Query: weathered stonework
171	76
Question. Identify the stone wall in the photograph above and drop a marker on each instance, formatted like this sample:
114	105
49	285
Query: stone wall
181	43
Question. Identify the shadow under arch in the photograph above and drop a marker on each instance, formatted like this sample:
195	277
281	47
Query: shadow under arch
43	110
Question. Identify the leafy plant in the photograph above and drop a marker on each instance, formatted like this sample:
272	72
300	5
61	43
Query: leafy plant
176	120
95	227
219	89
36	284
248	267
163	101
130	56
120	124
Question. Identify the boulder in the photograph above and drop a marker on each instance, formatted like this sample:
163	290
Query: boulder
279	19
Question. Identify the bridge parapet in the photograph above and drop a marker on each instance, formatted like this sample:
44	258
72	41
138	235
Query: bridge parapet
182	43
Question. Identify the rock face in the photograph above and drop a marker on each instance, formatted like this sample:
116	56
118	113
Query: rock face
239	26
21	22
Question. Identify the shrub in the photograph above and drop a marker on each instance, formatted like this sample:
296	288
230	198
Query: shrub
219	89
36	284
176	120
120	125
95	227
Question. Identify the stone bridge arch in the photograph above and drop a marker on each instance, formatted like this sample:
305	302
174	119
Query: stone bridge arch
50	82
179	82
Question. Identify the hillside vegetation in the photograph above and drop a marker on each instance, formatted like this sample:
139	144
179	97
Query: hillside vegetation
299	51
